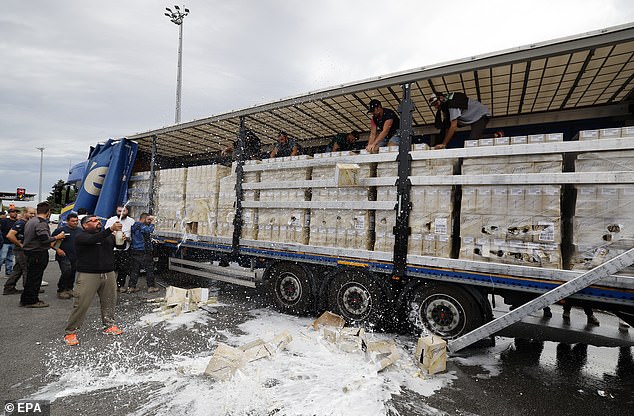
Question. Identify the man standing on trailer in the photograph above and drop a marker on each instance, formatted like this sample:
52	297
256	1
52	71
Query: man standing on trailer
454	110
285	146
383	127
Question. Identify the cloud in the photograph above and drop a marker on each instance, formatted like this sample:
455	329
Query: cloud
78	72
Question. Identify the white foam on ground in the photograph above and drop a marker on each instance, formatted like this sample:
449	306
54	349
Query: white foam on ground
310	377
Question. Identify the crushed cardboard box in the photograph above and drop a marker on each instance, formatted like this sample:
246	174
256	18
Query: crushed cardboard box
332	328
381	353
431	354
226	360
329	319
178	300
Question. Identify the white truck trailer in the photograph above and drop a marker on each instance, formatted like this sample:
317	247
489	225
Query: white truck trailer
409	232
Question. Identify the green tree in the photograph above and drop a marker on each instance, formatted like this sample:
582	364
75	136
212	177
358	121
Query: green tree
56	207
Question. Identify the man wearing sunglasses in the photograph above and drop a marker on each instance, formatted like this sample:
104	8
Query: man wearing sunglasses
95	275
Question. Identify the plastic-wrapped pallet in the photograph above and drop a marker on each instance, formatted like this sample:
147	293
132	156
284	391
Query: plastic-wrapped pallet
430	218
286	225
139	194
201	197
342	228
603	222
514	224
171	200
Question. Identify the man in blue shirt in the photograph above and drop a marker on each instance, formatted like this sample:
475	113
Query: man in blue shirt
15	236
66	257
142	253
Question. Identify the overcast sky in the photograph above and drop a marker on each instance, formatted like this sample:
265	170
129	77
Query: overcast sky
76	72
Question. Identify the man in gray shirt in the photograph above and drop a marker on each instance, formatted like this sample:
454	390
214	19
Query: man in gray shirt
37	242
458	110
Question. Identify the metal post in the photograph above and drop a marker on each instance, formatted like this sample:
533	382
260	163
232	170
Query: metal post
403	185
237	219
39	193
179	76
152	175
177	16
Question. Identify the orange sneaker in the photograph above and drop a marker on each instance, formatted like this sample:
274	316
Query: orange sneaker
71	339
113	330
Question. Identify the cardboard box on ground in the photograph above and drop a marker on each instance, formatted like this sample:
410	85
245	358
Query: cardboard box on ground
178	300
430	355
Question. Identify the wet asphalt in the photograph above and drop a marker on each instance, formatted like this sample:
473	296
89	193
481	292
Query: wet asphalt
519	376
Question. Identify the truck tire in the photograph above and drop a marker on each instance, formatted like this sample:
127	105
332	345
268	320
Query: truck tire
357	297
445	310
289	288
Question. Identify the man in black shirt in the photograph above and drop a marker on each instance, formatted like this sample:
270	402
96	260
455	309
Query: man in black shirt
37	242
383	127
65	256
95	275
251	148
285	146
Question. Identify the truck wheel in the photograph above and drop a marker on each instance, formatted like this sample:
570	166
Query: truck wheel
445	310
289	288
356	297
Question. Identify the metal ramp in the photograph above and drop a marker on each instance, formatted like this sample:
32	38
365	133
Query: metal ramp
573	286
231	274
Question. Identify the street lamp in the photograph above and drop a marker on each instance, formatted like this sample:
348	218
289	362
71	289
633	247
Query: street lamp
177	17
39	193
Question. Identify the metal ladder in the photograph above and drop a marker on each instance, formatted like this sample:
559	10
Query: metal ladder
573	286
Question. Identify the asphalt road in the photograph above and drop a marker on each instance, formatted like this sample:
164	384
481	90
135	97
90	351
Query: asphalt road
516	377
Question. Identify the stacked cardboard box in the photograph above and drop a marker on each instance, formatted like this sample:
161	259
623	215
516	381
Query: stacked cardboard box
514	224
139	194
288	225
201	198
171	200
344	228
431	215
603	223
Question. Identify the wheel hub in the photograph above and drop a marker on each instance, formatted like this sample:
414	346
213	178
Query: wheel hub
441	314
356	300
290	290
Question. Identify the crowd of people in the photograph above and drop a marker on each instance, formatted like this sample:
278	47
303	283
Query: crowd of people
93	259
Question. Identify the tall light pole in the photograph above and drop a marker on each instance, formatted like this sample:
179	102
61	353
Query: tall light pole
177	17
39	193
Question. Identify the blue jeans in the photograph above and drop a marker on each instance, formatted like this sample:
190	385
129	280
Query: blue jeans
394	141
6	258
67	278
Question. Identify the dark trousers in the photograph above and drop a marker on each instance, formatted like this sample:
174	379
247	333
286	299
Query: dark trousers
122	265
36	262
19	268
145	260
67	278
477	129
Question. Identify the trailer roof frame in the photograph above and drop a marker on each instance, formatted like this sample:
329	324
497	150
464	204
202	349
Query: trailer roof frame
593	70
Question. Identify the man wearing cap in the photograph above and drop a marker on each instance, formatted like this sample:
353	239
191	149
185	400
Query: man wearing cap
383	127
285	146
455	110
6	252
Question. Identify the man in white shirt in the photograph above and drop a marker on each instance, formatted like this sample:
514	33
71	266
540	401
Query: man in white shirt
122	258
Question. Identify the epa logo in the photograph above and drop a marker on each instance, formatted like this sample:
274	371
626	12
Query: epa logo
28	407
